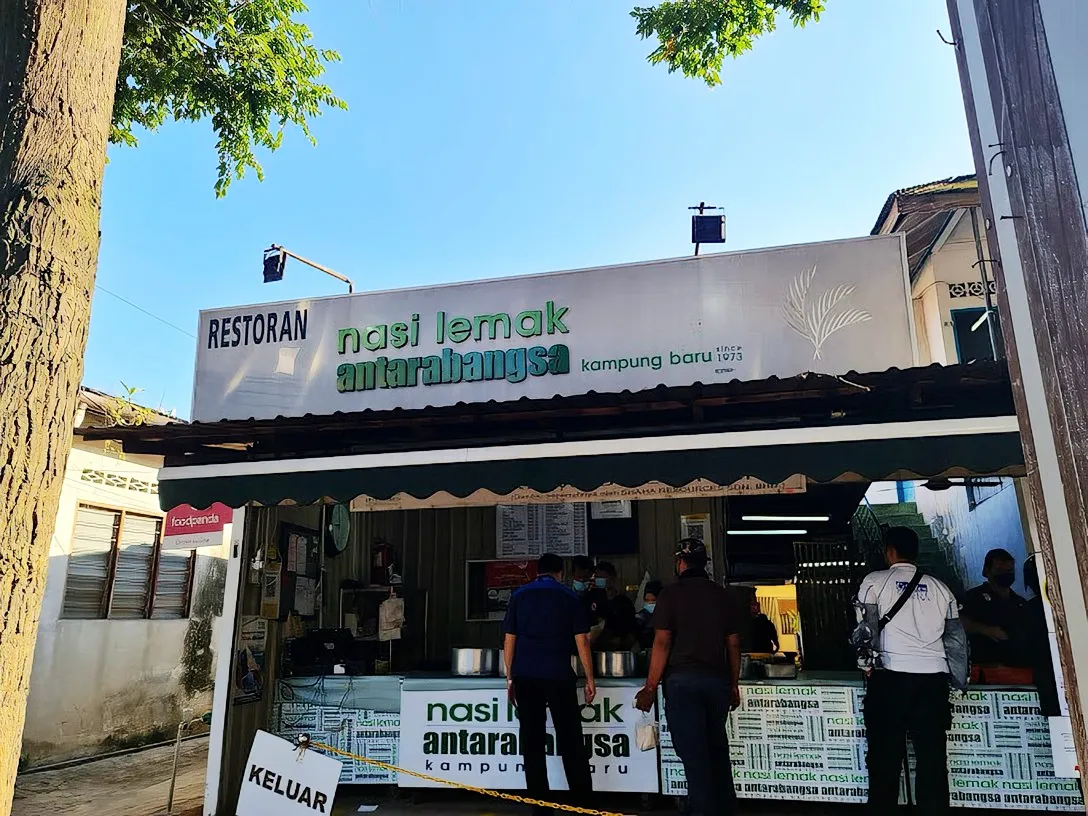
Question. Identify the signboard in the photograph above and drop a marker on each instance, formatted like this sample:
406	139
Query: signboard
279	781
364	732
471	736
830	307
187	528
610	509
530	530
607	493
808	743
697	525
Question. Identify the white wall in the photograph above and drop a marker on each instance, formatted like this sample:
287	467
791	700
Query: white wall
102	684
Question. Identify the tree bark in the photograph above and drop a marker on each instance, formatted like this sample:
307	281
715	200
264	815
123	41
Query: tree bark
58	71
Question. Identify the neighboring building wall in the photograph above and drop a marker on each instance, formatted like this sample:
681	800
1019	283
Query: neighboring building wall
967	533
98	685
948	280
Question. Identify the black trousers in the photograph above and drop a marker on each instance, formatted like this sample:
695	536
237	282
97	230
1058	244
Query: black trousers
535	697
697	707
897	705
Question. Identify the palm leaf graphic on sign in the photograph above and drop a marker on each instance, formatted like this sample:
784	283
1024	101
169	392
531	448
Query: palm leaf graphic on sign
817	318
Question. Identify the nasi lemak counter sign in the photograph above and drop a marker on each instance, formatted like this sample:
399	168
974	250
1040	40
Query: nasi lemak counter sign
830	307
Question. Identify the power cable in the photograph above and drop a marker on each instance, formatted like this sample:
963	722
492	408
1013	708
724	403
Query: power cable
145	311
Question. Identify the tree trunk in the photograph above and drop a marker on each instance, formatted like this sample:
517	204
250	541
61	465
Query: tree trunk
58	70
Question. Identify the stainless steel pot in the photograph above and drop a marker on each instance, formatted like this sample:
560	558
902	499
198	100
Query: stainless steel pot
614	664
780	671
474	662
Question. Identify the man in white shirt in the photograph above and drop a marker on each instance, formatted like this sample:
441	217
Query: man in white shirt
908	693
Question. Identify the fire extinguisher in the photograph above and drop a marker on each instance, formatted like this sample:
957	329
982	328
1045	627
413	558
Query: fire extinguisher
381	563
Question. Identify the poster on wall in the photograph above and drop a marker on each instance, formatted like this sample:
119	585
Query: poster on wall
697	525
249	672
502	579
470	736
367	733
712	319
526	531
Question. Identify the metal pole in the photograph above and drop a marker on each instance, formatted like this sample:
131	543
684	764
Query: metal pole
991	314
702	206
319	267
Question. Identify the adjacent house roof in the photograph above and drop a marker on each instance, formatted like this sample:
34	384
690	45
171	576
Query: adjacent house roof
104	410
923	212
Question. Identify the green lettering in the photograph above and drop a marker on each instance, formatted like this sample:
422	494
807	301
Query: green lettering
492	322
436	707
516	365
365	376
459	329
432	370
342	338
374	338
555	318
396	373
430	743
538	361
535	327
509	745
477	743
345	377
461	712
398	335
621	745
440	335
559	359
494	365
472	366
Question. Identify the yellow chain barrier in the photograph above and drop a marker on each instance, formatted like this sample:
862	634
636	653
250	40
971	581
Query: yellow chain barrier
509	797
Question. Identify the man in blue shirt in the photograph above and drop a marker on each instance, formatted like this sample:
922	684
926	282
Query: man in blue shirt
545	624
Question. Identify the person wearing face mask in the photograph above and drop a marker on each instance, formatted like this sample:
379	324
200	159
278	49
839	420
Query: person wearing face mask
995	617
612	605
581	574
644	617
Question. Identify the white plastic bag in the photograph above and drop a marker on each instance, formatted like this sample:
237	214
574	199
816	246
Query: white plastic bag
646	732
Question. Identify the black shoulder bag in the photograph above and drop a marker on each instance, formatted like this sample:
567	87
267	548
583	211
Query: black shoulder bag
866	635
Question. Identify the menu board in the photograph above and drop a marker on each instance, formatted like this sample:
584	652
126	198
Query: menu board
526	531
371	734
808	743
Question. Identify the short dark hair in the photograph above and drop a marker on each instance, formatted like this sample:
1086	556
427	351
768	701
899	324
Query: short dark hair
549	564
904	541
995	555
653	588
606	568
582	562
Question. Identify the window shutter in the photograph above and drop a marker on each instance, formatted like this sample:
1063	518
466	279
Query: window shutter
172	585
86	585
135	561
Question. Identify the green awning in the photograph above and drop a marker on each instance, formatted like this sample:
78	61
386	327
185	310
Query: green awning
383	476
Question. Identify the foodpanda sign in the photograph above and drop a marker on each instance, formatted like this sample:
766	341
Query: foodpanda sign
187	528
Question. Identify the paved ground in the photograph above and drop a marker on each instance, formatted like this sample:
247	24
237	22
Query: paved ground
132	785
136	785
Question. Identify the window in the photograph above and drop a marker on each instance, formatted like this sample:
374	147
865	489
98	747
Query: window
972	335
118	570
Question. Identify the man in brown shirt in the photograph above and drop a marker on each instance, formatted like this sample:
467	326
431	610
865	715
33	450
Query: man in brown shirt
697	652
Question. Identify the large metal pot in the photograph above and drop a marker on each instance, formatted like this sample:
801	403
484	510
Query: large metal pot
475	662
614	664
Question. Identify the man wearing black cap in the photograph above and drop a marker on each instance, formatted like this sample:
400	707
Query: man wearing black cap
697	651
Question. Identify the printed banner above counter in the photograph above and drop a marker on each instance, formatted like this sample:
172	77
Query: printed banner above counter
830	307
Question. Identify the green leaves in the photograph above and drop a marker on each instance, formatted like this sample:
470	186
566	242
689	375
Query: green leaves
694	36
247	65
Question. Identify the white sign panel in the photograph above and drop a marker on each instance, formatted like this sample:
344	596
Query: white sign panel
529	530
363	732
610	509
280	781
830	307
471	736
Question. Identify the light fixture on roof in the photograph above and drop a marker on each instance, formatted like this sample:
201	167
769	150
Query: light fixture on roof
275	259
785	518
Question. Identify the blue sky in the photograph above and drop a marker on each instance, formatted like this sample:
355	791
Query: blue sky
488	138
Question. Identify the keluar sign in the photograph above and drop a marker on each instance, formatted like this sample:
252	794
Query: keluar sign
279	780
829	307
